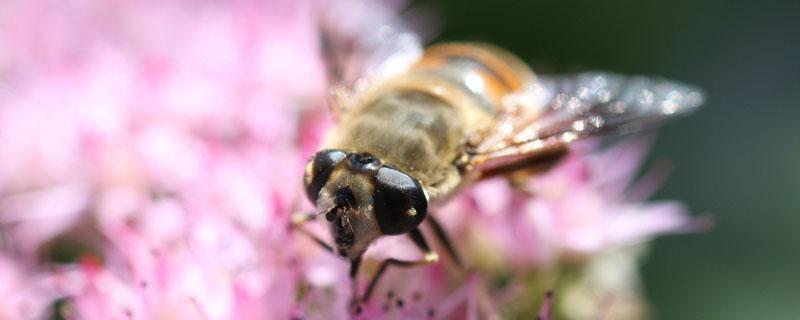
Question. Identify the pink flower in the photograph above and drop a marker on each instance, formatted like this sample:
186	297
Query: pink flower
170	132
583	206
169	139
26	294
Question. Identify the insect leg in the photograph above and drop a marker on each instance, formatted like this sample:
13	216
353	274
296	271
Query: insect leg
442	237
298	219
514	161
355	264
429	257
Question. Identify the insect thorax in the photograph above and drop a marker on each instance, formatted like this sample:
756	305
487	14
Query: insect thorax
410	130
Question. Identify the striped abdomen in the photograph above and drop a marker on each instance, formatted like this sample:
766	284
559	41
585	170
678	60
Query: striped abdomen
483	72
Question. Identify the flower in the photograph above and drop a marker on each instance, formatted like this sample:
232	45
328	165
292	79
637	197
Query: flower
581	207
168	133
151	156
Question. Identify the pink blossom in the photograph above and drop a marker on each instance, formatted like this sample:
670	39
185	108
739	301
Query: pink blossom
170	138
25	292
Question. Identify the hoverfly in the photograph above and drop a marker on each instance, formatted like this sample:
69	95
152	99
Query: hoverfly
414	125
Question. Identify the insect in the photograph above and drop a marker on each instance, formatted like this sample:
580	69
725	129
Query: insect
414	126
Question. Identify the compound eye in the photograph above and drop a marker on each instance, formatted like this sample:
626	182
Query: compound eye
398	200
319	169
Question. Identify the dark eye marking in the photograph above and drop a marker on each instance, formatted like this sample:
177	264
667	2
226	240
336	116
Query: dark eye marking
322	164
399	202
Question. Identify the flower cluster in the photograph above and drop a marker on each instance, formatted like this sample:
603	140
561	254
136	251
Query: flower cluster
151	154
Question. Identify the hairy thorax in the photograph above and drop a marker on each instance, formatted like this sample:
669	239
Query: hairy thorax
412	131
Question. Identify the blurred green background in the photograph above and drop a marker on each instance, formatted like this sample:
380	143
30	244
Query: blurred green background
737	159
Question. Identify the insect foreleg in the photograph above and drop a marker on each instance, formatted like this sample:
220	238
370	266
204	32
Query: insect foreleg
299	219
355	264
429	256
442	237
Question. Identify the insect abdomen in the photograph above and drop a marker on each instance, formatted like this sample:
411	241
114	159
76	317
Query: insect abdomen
482	71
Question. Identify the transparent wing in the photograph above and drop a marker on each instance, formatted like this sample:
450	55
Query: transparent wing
561	109
362	42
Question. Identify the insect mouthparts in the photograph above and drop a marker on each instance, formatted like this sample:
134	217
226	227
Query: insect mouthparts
343	199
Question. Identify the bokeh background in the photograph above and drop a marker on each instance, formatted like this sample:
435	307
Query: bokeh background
738	159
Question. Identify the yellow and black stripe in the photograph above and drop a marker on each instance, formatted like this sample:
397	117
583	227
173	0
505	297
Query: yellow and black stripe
499	71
